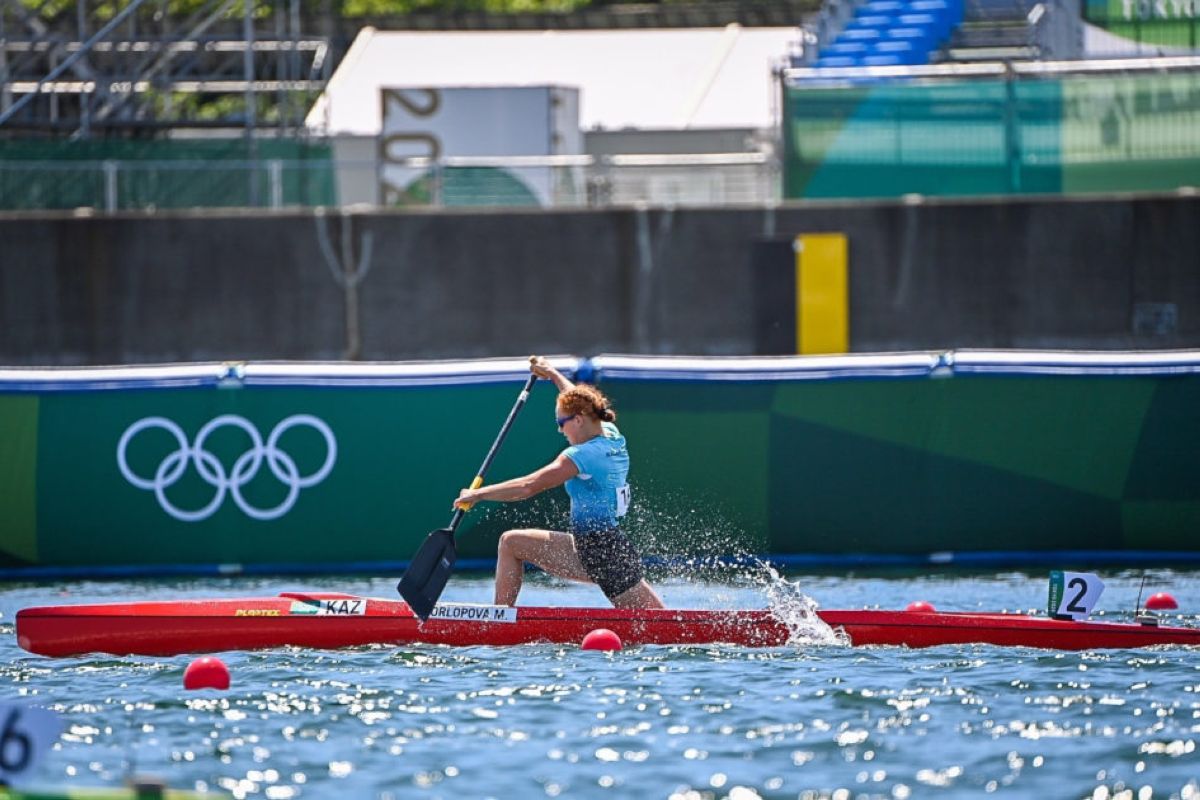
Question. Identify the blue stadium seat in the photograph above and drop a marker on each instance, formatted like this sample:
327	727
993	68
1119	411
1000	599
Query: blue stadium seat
926	22
917	21
940	10
921	38
893	32
934	7
864	35
904	51
885	7
957	8
839	61
851	49
871	21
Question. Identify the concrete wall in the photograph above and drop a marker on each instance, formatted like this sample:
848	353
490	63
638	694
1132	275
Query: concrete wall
1066	273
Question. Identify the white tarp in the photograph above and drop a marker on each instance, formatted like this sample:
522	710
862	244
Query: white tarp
644	79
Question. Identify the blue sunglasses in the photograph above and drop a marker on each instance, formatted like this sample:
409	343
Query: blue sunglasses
564	420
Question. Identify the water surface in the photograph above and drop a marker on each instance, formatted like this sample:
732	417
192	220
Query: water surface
808	720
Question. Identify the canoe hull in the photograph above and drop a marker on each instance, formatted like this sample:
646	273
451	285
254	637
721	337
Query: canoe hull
205	626
325	620
931	629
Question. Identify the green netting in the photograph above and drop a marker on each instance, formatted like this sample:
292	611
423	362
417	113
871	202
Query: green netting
976	137
466	186
124	175
1131	132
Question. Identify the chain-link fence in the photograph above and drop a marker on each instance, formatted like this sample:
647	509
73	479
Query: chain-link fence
151	185
1035	127
558	181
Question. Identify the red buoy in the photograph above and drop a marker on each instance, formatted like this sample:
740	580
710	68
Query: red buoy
601	639
921	607
1160	601
206	673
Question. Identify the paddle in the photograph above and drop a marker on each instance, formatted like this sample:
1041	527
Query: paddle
422	583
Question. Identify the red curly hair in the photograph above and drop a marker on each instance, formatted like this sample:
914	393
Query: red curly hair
586	400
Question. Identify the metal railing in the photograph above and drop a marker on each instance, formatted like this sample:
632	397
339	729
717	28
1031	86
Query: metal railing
718	179
148	67
692	179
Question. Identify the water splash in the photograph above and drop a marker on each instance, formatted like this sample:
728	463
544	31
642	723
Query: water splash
719	552
798	612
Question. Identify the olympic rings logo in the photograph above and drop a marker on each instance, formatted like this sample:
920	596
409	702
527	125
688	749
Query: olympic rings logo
212	471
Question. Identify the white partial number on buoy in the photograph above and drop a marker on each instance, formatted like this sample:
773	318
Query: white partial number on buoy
26	734
1073	594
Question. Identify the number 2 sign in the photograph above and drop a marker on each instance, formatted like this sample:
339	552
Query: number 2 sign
1073	595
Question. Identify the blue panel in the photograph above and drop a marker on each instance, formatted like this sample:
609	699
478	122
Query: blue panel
74	379
1051	362
764	368
237	374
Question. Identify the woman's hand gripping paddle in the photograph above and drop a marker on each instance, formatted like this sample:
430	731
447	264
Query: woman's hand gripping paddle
422	583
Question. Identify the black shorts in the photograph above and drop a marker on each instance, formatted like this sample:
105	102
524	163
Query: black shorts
610	559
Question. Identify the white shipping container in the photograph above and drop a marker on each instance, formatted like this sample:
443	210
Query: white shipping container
439	123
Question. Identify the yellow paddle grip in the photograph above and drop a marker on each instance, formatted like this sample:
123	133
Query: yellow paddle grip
475	484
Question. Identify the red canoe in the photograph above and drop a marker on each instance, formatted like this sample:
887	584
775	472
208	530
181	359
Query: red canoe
329	620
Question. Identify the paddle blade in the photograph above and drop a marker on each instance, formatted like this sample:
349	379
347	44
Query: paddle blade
422	583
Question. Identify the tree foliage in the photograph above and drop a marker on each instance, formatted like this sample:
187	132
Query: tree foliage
349	9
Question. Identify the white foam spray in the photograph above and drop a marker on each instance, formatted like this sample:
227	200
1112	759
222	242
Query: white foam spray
719	552
788	602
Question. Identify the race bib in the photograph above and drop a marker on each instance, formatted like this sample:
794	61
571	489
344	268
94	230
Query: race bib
623	498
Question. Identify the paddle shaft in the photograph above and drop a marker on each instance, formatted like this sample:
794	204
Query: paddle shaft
460	512
427	573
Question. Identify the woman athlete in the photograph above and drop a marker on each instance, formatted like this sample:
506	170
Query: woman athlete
593	468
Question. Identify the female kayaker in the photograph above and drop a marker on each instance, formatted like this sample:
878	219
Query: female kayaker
593	468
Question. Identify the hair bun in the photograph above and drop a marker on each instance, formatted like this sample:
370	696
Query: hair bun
588	400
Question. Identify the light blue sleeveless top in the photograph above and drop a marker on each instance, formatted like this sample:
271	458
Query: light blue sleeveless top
600	492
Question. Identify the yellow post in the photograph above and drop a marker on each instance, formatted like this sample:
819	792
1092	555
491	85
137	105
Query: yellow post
822	293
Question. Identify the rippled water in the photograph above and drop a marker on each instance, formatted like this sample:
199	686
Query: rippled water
654	721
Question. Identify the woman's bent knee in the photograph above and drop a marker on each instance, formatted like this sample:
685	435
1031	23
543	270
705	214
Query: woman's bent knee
510	541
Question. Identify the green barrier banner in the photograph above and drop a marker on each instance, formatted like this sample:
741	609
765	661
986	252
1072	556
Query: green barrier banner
261	475
904	454
863	454
18	476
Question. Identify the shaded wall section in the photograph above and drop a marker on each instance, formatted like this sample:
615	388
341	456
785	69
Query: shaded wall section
1115	273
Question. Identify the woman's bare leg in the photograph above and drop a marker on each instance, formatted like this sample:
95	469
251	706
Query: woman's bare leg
640	595
550	550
